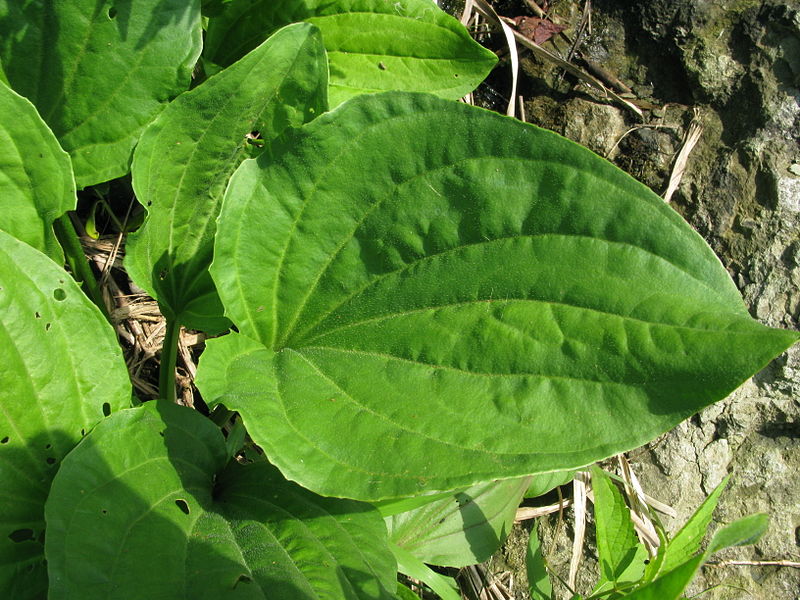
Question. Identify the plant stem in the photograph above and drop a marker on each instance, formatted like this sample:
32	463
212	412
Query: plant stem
76	259
169	357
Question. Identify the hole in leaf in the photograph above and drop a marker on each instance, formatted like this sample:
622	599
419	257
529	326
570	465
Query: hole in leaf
21	535
47	326
37	315
162	274
59	294
242	579
112	12
182	505
106	409
83	432
4	440
48	446
104	511
50	460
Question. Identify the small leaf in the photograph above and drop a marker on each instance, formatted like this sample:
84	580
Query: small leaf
463	529
36	183
545	482
151	483
747	530
98	74
617	545
405	270
60	369
687	541
373	45
539	585
185	157
670	585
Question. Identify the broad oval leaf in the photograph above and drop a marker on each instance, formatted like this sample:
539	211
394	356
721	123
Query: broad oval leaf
410	275
464	529
373	45
36	183
61	370
185	157
152	483
99	72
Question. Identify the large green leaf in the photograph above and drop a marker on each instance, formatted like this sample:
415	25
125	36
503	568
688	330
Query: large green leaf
61	369
373	45
36	184
411	275
463	529
185	157
99	71
146	504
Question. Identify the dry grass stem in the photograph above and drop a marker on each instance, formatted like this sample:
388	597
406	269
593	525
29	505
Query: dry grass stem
693	133
486	10
579	505
640	514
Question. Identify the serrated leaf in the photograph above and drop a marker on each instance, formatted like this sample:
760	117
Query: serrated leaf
747	530
617	545
61	369
152	483
686	543
36	183
373	45
99	72
463	529
185	157
405	270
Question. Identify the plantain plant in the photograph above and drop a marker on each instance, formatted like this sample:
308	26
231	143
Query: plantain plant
425	298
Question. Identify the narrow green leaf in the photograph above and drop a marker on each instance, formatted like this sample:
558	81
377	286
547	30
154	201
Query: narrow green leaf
617	544
687	541
151	483
99	72
185	157
747	530
408	269
373	45
670	585
61	369
412	566
36	183
463	529
405	594
539	585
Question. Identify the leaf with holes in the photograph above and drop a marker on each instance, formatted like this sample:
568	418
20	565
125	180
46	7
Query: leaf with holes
152	483
463	529
36	184
373	45
99	72
185	157
54	344
405	270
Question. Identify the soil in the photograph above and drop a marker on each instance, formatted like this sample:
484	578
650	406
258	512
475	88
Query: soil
733	67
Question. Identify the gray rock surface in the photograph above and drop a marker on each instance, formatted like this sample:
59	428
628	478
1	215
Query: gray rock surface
737	62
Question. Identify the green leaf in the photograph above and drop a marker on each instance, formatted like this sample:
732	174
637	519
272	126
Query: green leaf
687	541
185	157
61	369
151	483
539	585
99	72
463	529
373	45
670	585
747	530
405	594
36	184
445	587
545	482
617	545
405	270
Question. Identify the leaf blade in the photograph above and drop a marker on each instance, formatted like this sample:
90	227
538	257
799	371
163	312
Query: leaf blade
185	157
